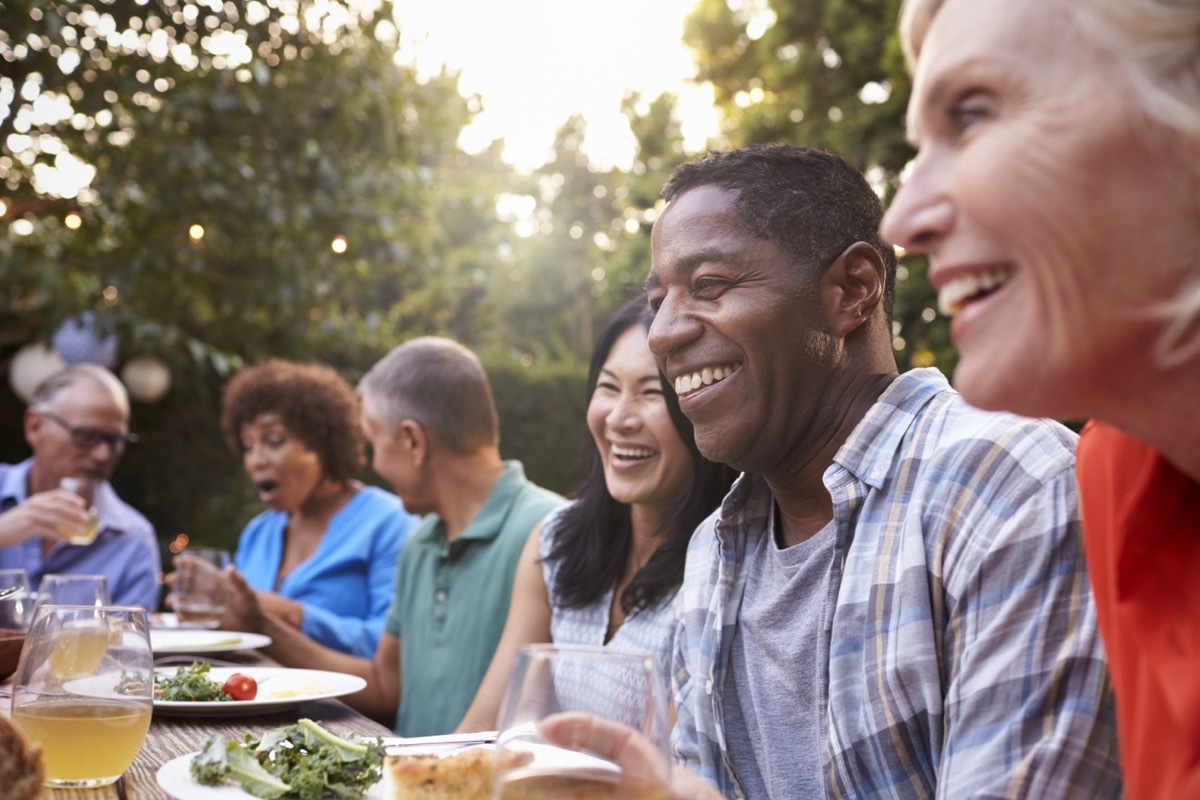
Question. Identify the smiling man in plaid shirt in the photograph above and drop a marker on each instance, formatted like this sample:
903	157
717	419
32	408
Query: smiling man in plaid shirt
892	601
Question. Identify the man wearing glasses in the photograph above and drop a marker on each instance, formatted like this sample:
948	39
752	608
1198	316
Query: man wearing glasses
77	426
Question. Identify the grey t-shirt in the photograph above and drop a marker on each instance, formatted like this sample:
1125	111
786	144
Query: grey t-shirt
772	702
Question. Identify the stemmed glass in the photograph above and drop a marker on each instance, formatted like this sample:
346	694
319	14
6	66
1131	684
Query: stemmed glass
15	608
72	589
83	692
622	686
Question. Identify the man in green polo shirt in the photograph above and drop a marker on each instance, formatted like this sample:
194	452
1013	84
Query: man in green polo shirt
429	415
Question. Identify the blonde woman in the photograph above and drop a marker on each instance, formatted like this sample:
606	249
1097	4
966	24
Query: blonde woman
1056	193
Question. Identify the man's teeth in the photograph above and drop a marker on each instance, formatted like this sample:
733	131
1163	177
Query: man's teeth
690	383
632	452
953	295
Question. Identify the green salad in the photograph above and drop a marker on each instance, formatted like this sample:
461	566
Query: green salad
302	761
189	684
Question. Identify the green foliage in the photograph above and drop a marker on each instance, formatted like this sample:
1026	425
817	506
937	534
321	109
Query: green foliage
283	130
590	245
828	74
543	420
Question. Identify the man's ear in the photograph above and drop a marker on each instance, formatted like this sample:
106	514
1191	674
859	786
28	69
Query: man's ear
413	440
33	423
853	287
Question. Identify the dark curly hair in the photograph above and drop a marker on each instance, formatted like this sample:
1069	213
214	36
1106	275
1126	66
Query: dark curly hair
316	404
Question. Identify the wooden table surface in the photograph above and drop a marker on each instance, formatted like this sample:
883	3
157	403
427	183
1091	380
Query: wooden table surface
170	737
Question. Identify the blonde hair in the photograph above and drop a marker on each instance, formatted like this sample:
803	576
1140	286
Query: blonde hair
1159	46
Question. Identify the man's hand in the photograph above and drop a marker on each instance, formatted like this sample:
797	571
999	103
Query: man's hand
635	754
53	515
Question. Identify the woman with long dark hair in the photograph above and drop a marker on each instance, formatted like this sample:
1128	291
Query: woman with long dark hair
604	569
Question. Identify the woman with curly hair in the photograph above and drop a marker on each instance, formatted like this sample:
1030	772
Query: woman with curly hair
323	555
605	568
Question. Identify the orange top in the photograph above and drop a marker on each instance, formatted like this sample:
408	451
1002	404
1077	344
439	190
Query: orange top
1141	519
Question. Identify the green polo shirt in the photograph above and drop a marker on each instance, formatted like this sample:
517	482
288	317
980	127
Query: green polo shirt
451	602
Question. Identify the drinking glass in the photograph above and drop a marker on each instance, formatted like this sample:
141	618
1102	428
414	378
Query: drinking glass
15	608
83	691
85	488
73	590
201	592
618	685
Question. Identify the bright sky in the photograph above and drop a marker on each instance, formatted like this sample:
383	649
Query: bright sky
536	62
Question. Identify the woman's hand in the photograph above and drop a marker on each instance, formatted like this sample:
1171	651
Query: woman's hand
629	749
248	608
243	612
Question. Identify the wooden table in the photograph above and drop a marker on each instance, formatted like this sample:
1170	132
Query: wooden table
170	737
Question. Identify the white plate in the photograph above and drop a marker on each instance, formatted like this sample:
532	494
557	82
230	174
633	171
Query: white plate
171	621
279	689
164	641
177	781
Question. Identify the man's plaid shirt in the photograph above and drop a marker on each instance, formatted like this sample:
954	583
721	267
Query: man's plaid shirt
964	659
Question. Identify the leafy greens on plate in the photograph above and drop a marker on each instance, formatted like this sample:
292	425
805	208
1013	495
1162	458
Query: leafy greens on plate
189	684
302	761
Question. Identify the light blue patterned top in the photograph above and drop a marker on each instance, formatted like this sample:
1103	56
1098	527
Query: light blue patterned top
962	657
649	629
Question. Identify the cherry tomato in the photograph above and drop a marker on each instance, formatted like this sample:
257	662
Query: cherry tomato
240	687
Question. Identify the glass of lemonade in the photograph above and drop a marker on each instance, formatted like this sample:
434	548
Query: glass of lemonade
73	590
83	692
618	685
85	488
200	588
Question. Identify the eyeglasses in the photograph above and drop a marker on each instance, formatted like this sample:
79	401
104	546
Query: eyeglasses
88	438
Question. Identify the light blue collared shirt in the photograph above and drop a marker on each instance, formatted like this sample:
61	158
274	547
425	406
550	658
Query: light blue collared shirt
125	552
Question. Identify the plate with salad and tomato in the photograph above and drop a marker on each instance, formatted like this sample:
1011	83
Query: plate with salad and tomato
202	690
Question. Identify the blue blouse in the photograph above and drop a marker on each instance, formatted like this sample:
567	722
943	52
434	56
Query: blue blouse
347	584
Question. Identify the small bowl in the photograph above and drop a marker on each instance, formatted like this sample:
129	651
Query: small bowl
11	643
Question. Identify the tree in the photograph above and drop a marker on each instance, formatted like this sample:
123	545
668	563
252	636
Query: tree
268	180
828	74
277	200
589	248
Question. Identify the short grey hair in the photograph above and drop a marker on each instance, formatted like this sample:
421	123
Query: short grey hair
439	384
46	396
1158	45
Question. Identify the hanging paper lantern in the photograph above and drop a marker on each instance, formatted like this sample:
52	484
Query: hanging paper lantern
147	378
77	342
32	364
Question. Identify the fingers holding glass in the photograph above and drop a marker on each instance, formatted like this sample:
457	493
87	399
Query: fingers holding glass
201	589
583	722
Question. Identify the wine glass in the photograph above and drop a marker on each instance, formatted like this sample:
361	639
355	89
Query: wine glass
83	692
200	590
73	590
15	608
622	686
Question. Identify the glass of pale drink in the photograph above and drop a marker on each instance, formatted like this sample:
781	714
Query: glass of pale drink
622	686
201	591
85	488
83	692
73	590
